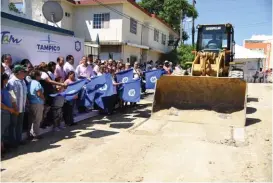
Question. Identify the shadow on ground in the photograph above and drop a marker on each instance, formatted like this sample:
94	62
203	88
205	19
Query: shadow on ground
250	110
120	119
252	100
252	121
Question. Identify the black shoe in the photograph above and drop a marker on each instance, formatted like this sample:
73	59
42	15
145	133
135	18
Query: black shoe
37	138
73	124
23	143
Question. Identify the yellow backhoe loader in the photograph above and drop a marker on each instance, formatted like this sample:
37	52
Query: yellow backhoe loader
209	95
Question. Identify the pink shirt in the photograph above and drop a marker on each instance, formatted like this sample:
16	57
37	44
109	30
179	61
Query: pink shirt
68	81
84	71
59	72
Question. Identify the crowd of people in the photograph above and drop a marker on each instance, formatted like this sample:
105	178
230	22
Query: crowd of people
26	102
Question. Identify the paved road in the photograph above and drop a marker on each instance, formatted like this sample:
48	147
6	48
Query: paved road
128	147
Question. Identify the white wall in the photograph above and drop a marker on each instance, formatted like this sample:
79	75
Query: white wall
37	14
138	15
34	46
131	51
15	24
67	22
153	55
83	24
27	11
162	29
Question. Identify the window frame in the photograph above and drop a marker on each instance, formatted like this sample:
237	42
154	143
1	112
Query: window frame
101	21
156	35
163	39
133	24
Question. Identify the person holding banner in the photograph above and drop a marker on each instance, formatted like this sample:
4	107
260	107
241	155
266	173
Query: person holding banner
96	67
138	74
59	71
69	105
68	66
36	104
84	70
48	83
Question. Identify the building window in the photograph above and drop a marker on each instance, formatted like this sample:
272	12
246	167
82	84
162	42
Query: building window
16	6
67	14
101	21
171	37
133	59
163	40
133	26
156	35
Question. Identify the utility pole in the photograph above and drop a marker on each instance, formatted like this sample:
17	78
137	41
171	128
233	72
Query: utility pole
193	26
181	28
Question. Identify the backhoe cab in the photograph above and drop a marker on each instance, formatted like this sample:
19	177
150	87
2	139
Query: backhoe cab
214	50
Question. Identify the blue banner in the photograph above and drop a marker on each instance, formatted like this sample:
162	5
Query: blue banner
125	76
72	90
99	88
131	91
91	89
151	77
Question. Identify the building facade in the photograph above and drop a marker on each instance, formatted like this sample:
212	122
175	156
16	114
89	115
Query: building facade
124	29
262	44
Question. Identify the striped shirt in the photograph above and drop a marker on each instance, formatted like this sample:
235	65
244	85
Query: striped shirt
20	90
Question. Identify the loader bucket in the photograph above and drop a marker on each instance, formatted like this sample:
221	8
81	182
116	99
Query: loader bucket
196	99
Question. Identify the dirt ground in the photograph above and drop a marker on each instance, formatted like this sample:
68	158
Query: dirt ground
127	147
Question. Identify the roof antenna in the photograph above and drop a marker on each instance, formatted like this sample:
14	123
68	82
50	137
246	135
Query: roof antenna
53	12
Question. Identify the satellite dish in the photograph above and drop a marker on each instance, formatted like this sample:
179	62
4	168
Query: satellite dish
53	11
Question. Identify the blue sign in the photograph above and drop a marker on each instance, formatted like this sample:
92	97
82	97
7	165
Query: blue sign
78	46
72	90
48	45
151	78
125	76
131	91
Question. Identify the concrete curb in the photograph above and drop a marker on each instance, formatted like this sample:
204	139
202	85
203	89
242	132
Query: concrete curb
77	119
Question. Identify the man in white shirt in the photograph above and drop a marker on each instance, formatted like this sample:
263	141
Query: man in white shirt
84	70
68	66
137	72
6	62
96	67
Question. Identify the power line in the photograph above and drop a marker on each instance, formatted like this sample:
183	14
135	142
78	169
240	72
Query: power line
129	17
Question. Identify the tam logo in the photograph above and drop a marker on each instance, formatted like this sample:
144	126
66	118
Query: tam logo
104	87
125	79
132	92
153	79
8	38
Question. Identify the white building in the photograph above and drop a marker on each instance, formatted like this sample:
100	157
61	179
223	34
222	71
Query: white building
126	31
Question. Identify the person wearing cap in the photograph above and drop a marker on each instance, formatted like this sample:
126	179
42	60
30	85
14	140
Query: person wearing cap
17	85
166	67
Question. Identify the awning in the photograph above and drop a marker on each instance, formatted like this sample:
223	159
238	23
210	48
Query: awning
244	53
137	45
91	45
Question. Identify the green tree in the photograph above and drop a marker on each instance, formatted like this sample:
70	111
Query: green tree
184	53
12	7
170	11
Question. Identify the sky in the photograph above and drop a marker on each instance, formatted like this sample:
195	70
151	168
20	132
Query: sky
248	17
